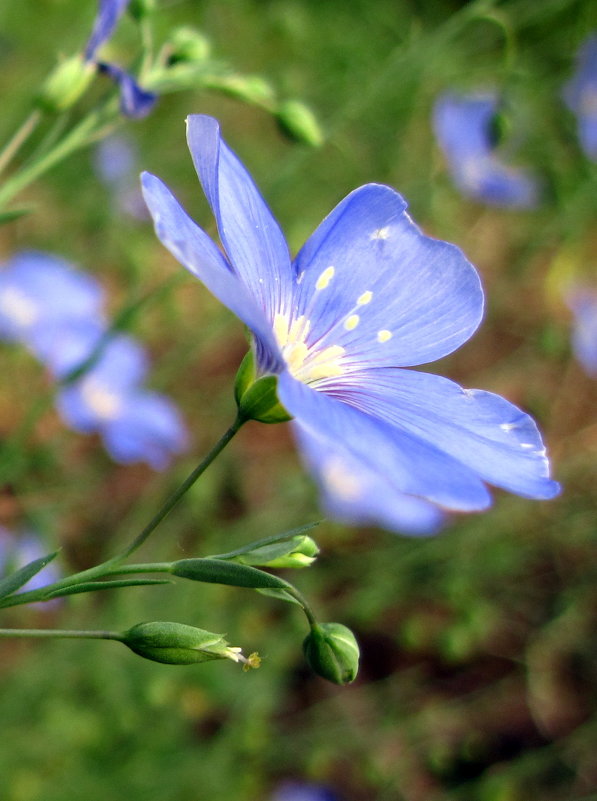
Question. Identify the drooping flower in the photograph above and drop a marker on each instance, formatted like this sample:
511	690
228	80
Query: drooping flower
367	296
582	301
580	95
463	128
136	425
39	292
134	101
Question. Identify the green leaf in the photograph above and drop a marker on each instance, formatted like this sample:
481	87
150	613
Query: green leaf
20	577
217	571
91	586
9	216
281	595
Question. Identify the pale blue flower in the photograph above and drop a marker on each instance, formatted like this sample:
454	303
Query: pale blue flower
463	128
39	292
367	296
134	101
580	95
302	791
136	425
582	301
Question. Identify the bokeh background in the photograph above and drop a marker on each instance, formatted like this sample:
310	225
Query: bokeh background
479	655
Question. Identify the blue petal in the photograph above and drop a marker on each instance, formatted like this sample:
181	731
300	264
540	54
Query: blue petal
251	236
195	250
419	295
409	464
354	493
582	301
65	346
149	430
135	101
38	290
483	431
108	14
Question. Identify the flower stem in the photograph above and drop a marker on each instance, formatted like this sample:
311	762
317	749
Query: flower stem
178	494
19	138
95	635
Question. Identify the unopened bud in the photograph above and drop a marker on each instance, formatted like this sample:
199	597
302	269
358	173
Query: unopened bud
188	46
179	644
257	398
298	551
298	122
332	652
250	88
65	85
139	9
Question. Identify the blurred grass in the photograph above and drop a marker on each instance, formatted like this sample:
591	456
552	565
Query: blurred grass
479	656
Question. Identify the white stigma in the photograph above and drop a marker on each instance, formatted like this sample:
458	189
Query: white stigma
381	233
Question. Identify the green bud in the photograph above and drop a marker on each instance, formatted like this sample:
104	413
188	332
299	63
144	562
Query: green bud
179	644
188	46
332	652
298	122
250	88
65	85
141	8
298	551
257	398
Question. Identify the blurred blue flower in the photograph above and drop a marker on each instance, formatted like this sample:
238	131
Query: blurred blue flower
582	301
367	296
302	791
136	425
580	95
39	292
463	128
18	551
134	101
115	163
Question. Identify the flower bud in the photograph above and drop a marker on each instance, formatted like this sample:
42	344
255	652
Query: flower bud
179	644
188	46
65	85
250	88
298	551
139	9
257	398
298	122
332	652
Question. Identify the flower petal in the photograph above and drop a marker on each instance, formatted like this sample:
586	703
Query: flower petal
481	430
135	102
413	298
195	250
251	236
409	464
353	493
108	14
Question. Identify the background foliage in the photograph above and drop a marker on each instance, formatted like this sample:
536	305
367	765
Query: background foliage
479	655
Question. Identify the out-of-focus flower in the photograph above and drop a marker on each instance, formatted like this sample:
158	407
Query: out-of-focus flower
134	101
367	296
136	425
39	292
580	95
18	551
463	128
582	301
115	162
302	791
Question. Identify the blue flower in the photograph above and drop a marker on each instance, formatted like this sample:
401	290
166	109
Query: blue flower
136	425
39	292
134	101
367	296
580	95
302	791
582	301
463	128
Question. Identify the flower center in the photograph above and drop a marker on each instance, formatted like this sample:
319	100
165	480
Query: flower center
18	307
105	404
306	364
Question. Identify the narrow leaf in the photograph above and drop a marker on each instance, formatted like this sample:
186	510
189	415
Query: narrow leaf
281	595
9	216
20	577
218	571
91	586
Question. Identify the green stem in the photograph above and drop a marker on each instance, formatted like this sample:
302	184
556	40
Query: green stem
95	635
19	138
178	494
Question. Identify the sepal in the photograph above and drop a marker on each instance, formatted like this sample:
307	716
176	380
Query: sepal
298	122
65	85
256	397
